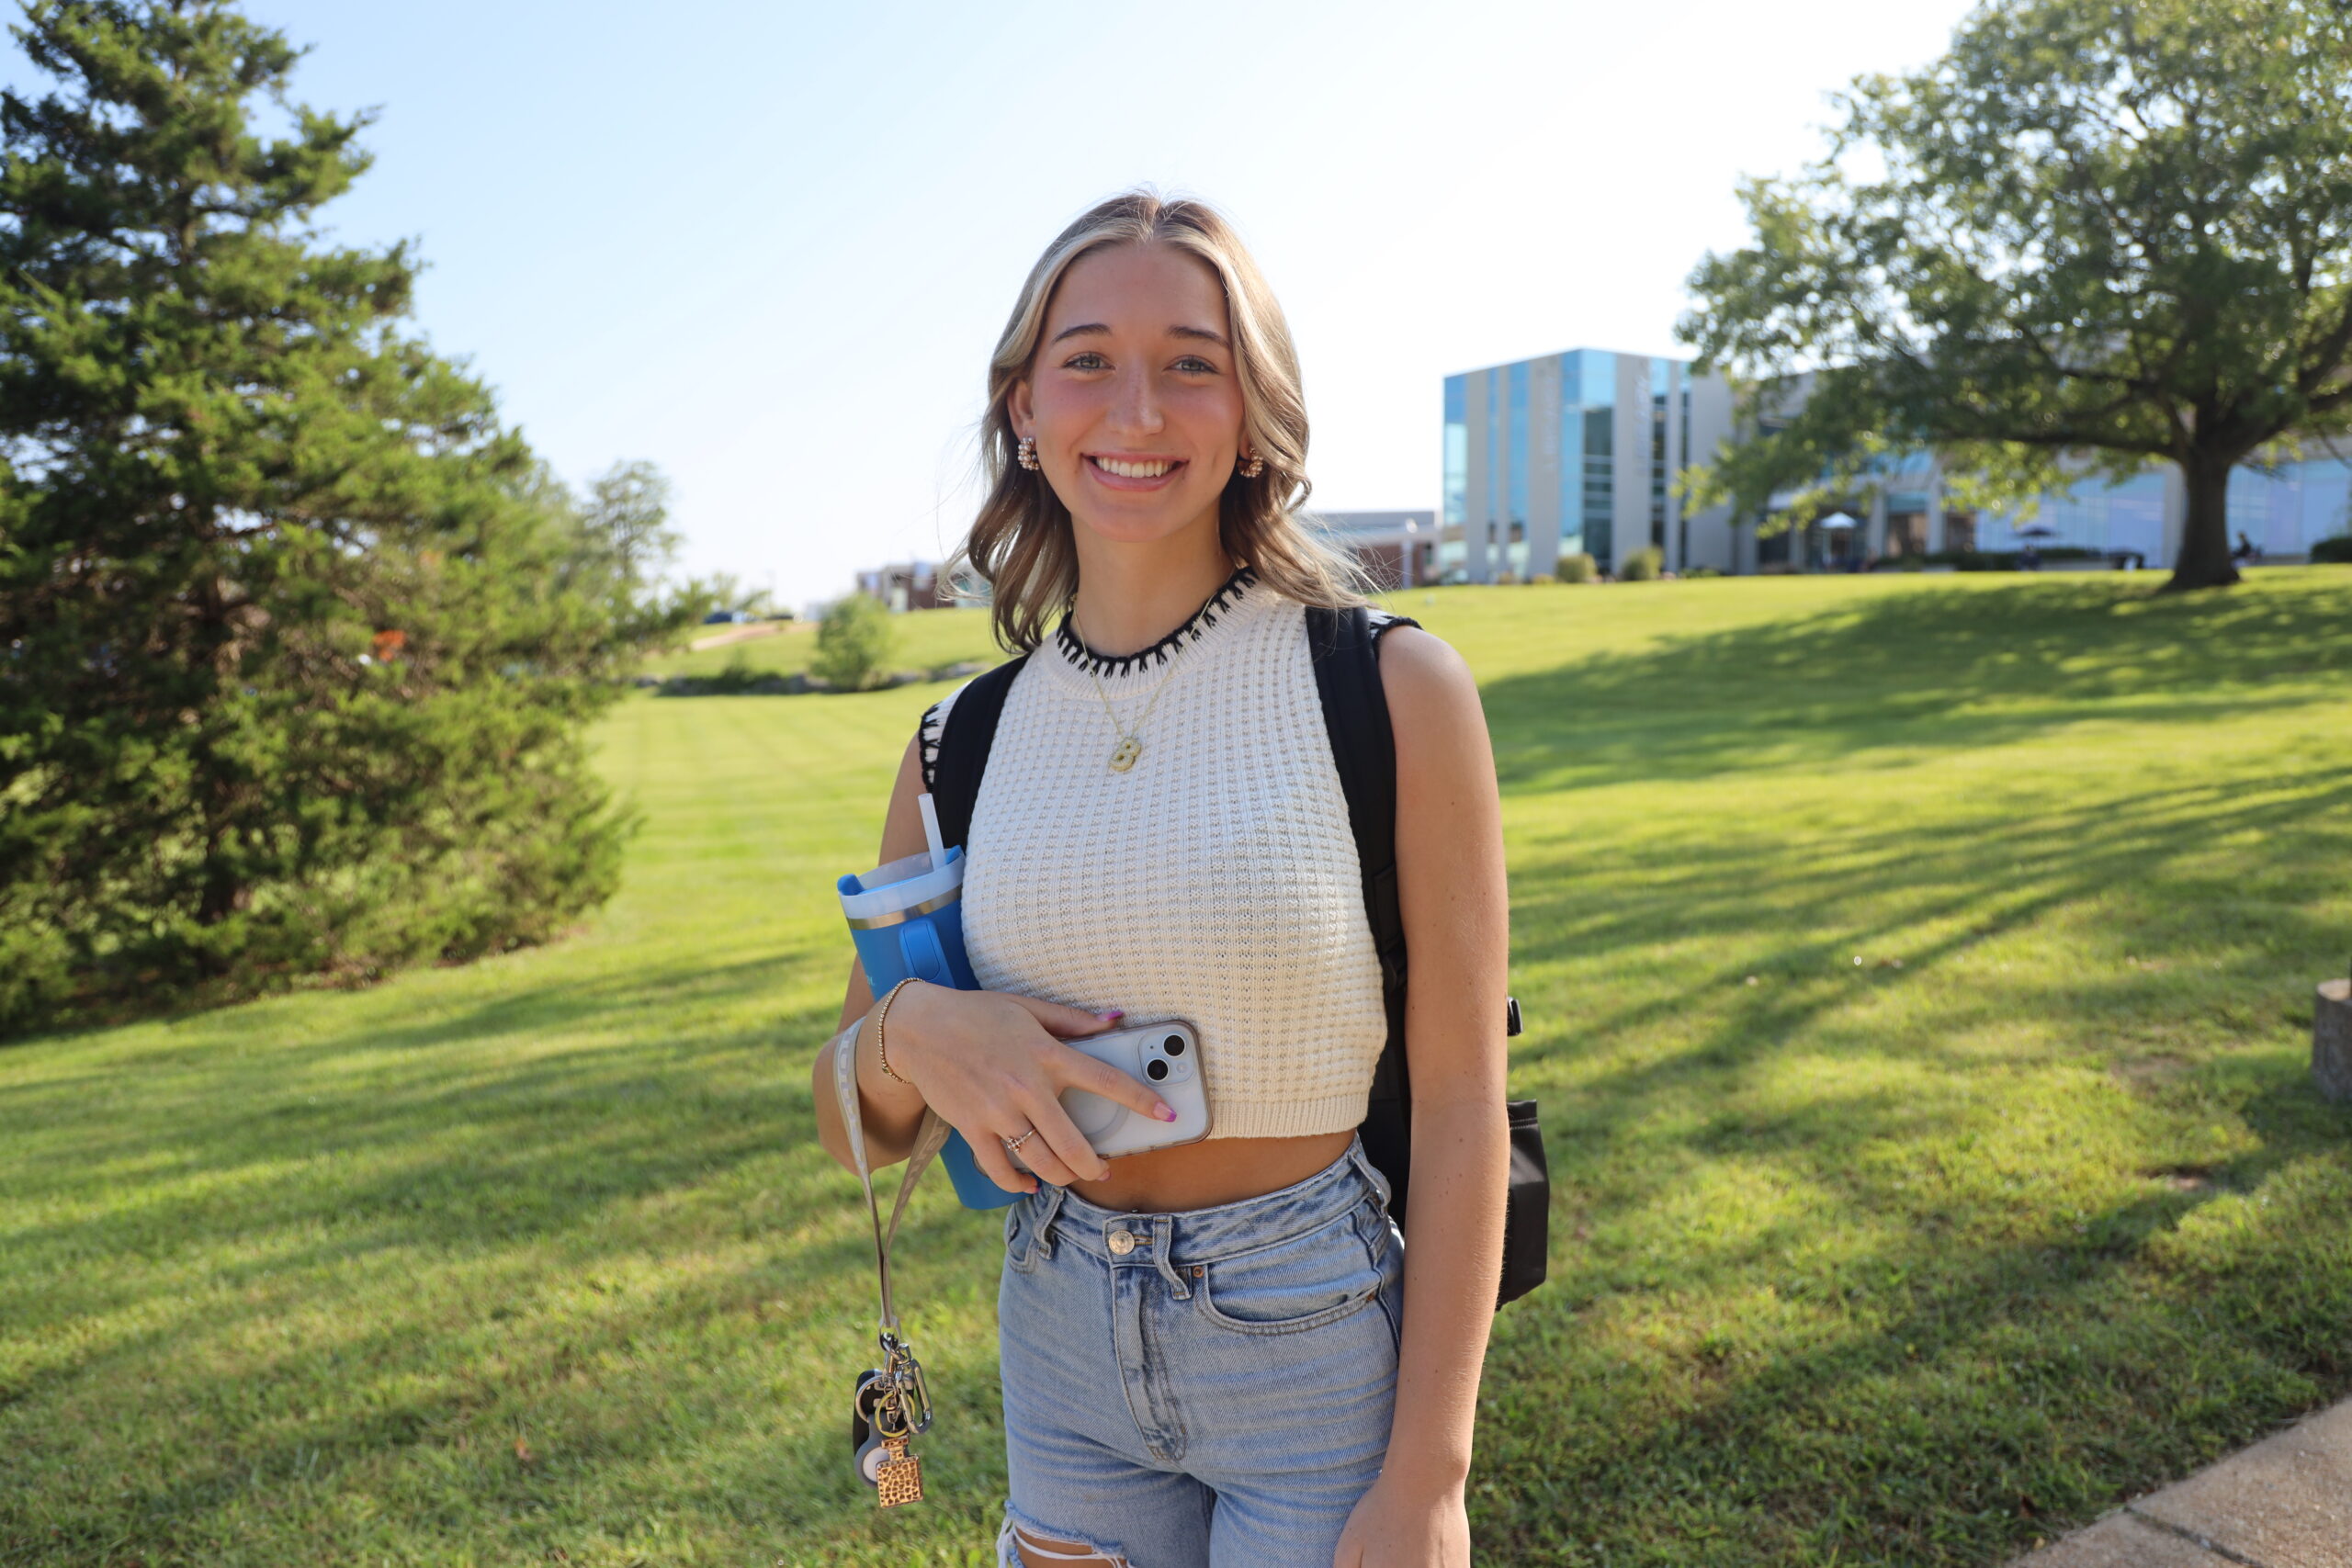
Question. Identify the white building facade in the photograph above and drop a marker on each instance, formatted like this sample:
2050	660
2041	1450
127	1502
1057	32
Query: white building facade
1580	451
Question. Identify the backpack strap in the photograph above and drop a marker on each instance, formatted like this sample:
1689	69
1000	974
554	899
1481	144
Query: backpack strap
1344	646
958	731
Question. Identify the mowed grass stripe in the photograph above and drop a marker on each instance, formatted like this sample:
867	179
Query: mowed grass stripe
1913	1260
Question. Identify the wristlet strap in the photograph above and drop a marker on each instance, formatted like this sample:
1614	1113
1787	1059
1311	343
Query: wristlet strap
929	1139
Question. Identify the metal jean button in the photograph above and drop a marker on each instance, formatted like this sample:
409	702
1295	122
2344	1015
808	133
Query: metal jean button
1121	1243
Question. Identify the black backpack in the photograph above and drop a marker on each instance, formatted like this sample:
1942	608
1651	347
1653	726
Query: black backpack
1345	647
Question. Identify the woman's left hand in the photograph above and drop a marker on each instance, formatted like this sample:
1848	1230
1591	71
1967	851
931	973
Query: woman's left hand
1396	1526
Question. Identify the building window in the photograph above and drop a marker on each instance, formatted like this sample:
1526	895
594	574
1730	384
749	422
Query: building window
1457	451
1515	503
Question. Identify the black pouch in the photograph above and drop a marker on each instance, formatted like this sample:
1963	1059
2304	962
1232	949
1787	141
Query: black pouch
1529	1207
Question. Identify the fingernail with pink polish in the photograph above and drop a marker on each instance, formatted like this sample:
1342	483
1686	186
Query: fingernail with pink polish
1164	1112
1112	1016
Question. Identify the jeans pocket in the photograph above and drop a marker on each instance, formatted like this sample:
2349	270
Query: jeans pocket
1019	1245
1303	1283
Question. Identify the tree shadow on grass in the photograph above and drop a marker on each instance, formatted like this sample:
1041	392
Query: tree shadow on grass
1884	891
487	1181
415	1399
1948	669
1907	1353
1919	1402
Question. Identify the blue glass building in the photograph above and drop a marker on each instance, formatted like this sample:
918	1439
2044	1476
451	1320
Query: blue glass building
1577	452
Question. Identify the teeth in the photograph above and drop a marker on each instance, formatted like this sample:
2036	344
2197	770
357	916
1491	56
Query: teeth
1150	470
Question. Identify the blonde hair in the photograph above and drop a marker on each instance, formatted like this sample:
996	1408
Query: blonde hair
1020	542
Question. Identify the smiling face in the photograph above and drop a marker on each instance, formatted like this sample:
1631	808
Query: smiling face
1134	397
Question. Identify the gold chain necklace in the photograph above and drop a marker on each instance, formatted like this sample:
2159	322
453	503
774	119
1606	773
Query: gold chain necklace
1130	747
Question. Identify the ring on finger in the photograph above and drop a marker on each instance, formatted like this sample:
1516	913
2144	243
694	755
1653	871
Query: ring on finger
1013	1145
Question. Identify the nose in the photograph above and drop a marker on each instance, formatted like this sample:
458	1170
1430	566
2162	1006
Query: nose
1135	408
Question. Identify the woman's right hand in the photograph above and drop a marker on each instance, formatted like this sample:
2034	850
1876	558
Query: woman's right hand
989	1061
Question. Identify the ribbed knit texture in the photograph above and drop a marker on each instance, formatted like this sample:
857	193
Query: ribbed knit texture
1216	882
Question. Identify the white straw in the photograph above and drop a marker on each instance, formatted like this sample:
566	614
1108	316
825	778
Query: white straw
931	829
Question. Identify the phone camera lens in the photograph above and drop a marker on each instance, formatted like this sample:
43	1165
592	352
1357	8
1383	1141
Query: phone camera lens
1155	1070
1173	1045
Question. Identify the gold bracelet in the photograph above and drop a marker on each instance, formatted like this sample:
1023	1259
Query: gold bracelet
881	1016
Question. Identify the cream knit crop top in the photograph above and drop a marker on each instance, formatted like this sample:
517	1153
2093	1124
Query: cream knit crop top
1215	881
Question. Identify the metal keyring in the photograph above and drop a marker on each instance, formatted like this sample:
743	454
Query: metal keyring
1013	1145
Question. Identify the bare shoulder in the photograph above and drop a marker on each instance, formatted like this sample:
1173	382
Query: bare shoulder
1431	691
902	823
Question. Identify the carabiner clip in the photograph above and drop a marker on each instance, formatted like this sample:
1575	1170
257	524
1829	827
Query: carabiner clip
904	1374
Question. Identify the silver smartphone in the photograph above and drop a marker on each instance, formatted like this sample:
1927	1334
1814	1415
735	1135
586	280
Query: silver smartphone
1167	1056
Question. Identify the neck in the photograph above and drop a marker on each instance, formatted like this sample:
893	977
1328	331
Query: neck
1130	594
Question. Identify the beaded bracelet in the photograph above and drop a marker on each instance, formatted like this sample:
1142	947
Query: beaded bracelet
881	1016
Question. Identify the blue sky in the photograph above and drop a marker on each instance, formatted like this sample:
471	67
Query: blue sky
769	246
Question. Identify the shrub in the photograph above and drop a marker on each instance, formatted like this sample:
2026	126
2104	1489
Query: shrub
1545	579
1642	566
853	644
1505	579
2337	549
1579	567
735	678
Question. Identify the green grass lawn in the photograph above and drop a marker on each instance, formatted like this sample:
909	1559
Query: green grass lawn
1918	977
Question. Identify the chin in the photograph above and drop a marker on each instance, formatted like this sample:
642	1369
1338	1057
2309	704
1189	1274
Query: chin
1164	518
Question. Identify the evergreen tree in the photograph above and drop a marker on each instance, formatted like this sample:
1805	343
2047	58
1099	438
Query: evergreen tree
289	681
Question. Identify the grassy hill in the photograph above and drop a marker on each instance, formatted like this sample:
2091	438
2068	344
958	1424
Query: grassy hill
1917	975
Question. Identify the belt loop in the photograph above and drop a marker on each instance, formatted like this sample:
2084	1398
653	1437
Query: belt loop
1362	1162
1163	1236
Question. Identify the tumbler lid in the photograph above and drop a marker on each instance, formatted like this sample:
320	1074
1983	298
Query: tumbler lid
903	888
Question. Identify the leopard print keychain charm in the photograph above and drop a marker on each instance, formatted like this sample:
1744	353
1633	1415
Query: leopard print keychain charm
899	1478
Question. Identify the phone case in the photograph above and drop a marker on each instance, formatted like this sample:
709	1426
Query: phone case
1167	1056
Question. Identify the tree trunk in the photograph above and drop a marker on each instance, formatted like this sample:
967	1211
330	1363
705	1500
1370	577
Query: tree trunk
2204	560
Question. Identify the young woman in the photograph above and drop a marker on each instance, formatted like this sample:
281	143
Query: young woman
1219	1353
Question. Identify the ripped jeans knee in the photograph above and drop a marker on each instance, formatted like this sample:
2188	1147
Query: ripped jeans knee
1017	1540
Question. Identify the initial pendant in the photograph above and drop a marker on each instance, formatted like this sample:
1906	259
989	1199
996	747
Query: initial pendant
1125	757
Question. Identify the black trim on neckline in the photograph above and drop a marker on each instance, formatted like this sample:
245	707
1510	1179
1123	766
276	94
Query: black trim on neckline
1195	624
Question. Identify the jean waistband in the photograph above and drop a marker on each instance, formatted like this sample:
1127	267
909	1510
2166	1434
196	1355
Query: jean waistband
1222	1230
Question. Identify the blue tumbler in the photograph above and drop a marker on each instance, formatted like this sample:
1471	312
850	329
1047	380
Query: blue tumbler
906	918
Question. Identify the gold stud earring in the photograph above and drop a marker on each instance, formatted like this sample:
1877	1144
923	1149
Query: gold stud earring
1025	454
1252	466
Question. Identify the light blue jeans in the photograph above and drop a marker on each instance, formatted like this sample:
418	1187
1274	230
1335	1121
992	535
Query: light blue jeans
1209	1387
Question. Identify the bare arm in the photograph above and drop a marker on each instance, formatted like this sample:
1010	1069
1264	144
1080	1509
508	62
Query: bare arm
1457	910
891	1111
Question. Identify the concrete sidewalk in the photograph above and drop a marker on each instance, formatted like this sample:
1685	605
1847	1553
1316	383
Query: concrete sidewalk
2284	1503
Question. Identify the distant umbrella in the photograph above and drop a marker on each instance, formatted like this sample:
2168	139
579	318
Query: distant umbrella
1837	520
2037	532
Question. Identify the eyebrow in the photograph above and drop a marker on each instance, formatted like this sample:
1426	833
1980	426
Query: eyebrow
1096	329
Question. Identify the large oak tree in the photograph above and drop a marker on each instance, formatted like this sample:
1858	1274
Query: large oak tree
2098	234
